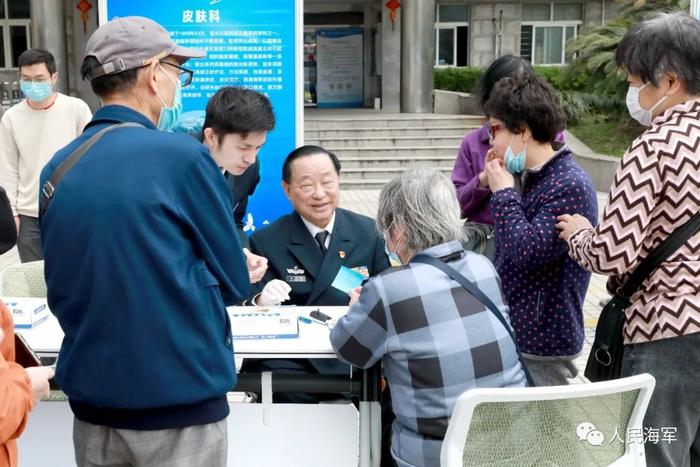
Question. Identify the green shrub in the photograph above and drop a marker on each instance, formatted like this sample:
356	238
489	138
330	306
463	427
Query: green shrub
562	79
456	79
465	79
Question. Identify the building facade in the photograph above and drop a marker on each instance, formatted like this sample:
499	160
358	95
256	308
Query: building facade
402	40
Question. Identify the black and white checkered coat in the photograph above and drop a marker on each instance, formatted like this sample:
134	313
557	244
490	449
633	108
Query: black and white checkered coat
435	341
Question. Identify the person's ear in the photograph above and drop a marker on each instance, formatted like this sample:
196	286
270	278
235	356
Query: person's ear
54	78
286	187
152	76
674	84
210	137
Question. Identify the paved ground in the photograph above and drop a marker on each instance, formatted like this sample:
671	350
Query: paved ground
365	202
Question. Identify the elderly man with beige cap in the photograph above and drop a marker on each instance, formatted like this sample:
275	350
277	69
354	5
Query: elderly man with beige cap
142	258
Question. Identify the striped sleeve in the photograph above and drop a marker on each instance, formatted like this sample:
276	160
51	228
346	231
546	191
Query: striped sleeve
613	247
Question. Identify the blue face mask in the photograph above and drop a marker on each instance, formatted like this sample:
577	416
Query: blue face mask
515	163
170	115
394	259
36	92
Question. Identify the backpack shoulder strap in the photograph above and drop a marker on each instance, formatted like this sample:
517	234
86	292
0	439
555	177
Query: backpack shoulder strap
49	187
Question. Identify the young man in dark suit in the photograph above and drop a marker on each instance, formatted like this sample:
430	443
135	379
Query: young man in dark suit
235	128
306	248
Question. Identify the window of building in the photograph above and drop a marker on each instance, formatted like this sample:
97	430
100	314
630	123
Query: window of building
452	34
15	35
545	30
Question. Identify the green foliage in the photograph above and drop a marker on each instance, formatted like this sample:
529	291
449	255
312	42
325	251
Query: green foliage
606	134
561	78
595	49
457	79
574	105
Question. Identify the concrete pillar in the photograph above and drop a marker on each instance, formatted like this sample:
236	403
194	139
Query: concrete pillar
49	32
370	80
417	55
391	62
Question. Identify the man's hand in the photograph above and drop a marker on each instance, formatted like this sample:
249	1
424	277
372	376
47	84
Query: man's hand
569	225
274	293
499	177
39	377
257	266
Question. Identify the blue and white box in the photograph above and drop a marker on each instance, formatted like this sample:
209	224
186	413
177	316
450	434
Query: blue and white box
27	312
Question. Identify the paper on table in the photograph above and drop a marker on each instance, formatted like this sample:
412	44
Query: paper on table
347	279
277	324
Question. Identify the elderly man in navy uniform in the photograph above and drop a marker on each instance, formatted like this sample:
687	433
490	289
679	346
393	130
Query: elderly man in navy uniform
307	248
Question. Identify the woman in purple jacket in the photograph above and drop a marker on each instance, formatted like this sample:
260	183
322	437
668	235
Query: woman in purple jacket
468	173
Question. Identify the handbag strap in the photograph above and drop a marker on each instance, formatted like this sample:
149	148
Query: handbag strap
49	187
480	296
672	243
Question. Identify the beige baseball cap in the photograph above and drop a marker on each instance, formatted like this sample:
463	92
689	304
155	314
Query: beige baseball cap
132	42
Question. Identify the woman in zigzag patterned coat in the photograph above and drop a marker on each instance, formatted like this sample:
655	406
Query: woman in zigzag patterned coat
656	189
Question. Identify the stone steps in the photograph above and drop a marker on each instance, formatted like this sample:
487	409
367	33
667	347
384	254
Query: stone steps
343	144
373	148
371	132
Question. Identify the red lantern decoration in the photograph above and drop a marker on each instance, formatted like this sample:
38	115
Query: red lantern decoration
393	6
84	6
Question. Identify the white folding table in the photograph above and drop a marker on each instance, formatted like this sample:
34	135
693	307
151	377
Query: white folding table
280	425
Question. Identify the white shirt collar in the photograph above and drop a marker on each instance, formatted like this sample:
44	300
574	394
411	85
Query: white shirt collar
313	230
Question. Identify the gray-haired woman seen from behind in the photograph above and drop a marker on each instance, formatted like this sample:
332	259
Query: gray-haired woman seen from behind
435	340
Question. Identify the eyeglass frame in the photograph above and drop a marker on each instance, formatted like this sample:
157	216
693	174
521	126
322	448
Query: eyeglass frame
493	128
186	71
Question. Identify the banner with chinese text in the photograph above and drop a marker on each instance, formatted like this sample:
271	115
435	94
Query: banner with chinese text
251	43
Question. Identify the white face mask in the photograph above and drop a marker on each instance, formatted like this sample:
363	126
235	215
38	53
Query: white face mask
635	109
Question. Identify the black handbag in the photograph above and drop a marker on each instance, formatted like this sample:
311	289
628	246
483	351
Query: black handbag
605	360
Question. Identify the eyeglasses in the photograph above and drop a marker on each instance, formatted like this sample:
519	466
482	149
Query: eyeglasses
185	74
493	128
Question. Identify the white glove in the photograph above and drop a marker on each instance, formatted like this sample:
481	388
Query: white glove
274	293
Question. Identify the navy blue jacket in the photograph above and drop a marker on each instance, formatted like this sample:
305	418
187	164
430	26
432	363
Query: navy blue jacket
142	256
544	288
294	256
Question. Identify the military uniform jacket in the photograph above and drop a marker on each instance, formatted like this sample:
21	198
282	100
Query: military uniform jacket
295	257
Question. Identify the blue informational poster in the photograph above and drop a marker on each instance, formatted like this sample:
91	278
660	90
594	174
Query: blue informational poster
339	65
251	43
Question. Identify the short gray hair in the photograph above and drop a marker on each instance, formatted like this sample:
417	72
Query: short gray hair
423	203
663	43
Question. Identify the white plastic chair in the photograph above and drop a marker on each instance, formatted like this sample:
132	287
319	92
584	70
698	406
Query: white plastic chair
23	280
550	426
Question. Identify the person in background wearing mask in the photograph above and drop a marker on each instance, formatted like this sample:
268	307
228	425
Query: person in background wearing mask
30	133
142	258
469	174
656	190
21	388
533	181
